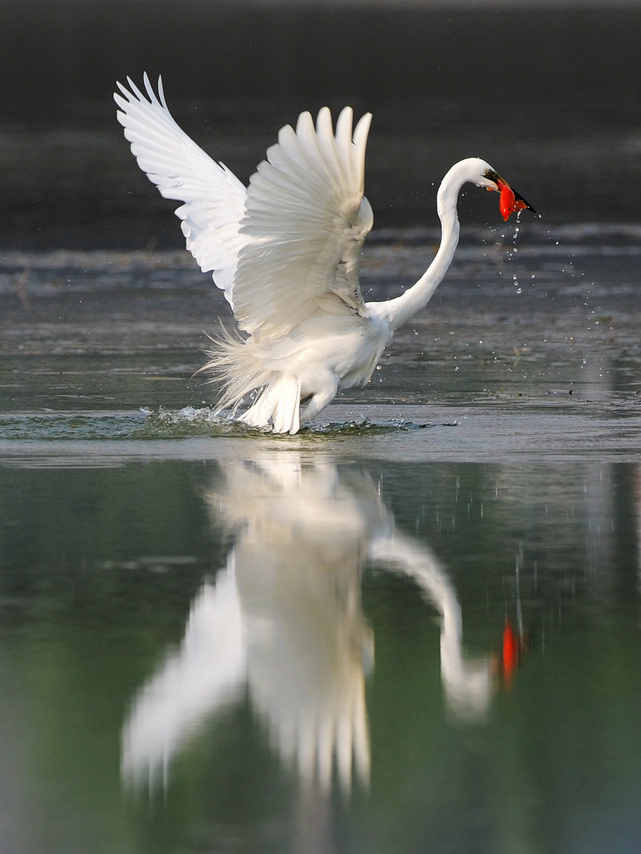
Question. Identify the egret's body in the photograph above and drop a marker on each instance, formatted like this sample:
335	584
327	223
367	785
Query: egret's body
286	251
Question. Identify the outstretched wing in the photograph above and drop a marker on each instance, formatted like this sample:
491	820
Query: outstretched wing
282	247
214	199
306	220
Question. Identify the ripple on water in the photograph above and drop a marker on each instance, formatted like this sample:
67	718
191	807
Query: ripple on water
156	424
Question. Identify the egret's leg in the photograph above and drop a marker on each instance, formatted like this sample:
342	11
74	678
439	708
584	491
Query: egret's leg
278	403
320	399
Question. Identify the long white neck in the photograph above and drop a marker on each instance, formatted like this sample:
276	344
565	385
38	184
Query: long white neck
399	310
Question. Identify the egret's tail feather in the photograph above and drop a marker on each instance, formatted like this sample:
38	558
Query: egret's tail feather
233	365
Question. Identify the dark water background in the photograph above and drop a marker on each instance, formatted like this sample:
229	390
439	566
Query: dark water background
551	97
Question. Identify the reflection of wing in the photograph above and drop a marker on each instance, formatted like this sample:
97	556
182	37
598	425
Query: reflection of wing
467	684
204	675
299	553
284	621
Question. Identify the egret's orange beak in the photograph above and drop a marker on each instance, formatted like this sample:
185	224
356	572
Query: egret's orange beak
511	201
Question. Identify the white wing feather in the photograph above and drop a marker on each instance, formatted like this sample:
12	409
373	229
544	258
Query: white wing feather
214	199
279	248
306	222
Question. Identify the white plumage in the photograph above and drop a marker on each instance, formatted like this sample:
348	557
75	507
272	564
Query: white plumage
285	251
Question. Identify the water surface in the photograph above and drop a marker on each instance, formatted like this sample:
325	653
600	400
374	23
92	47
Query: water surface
278	647
414	627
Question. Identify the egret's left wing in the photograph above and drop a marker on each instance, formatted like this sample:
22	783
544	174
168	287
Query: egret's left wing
213	198
306	219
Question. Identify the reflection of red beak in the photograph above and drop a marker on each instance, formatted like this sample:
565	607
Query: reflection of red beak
510	648
511	201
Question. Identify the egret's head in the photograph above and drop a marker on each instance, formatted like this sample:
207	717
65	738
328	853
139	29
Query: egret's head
511	201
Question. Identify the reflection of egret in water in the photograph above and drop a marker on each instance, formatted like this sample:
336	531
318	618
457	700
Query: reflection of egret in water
283	621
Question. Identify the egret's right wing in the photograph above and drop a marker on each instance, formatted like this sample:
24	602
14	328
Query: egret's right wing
305	223
214	199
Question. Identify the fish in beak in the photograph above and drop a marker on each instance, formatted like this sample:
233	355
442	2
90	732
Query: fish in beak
511	202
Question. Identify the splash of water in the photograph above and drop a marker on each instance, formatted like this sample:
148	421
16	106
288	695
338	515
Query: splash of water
512	252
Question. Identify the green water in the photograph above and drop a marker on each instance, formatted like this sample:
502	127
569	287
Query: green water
282	650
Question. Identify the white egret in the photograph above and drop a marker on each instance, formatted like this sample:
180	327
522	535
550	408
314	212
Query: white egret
285	251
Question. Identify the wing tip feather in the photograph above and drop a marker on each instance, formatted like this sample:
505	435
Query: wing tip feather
131	92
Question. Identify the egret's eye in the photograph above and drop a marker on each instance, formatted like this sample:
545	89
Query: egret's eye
492	175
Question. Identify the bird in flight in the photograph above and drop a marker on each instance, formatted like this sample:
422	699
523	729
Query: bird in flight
285	251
